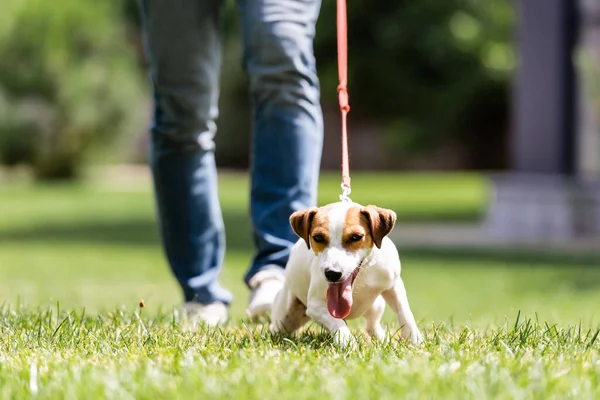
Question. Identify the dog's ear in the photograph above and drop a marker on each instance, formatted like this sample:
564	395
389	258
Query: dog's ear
301	222
381	222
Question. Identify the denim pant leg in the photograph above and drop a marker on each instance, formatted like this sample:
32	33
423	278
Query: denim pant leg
183	47
287	120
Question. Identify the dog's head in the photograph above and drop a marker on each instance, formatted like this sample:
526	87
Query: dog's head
342	235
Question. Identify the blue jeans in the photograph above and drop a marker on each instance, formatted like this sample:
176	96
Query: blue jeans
183	46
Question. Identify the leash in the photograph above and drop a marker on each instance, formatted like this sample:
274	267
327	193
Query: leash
342	42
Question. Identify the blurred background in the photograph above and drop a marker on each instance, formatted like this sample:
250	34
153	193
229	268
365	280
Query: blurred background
478	122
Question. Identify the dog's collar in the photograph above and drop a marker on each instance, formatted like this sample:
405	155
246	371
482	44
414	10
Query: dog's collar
357	269
369	254
360	264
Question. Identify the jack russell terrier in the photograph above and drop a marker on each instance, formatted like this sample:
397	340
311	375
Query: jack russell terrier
343	267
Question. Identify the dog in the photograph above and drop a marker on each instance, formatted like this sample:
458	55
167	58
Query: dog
343	266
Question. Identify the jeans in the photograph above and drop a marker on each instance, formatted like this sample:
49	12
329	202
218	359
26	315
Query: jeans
183	44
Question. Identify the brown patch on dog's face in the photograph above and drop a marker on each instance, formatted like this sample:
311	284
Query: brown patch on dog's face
356	234
319	234
312	225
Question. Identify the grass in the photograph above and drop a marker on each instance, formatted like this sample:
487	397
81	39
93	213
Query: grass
120	355
75	260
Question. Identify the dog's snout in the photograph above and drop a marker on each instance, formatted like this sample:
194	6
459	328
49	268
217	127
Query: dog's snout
332	275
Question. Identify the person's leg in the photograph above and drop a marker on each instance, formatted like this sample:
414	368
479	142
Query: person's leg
287	123
184	51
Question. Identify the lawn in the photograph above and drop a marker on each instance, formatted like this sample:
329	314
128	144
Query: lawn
75	260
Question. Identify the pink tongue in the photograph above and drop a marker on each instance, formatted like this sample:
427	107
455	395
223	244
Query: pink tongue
339	298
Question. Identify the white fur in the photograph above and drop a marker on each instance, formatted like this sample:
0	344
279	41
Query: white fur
304	292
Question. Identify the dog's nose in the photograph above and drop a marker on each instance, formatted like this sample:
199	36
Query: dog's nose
332	276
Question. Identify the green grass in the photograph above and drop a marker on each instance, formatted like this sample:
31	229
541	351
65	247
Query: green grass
75	260
120	355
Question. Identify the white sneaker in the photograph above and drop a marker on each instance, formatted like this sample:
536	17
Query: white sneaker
265	285
211	314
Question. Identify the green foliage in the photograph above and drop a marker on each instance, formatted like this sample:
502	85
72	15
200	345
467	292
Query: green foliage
67	81
429	70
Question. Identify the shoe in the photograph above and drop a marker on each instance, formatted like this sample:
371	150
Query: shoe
264	285
211	314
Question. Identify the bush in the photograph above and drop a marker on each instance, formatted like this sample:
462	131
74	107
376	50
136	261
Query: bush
430	70
68	81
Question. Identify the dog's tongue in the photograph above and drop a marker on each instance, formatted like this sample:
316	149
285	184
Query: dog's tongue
339	298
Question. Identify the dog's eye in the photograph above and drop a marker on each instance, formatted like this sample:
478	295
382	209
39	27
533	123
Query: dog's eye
356	237
318	238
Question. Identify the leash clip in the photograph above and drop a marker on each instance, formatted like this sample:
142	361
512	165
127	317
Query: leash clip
345	193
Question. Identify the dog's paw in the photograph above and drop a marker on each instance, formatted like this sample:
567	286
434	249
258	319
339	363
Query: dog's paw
344	338
416	337
378	334
413	335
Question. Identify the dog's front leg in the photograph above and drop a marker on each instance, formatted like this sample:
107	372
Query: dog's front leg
397	299
317	311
